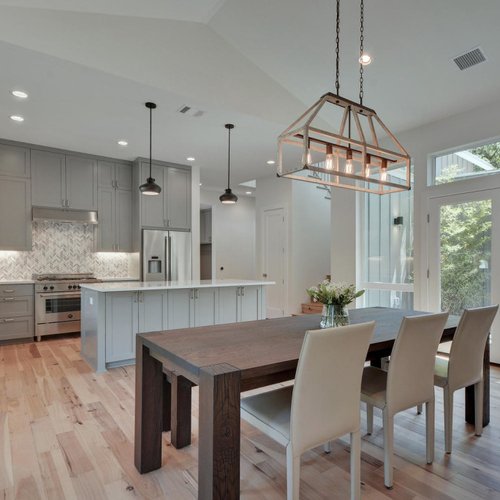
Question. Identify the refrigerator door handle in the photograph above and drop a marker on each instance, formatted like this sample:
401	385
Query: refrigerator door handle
168	257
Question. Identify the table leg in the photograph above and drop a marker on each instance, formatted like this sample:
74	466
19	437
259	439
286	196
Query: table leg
167	403
219	446
148	410
181	411
469	392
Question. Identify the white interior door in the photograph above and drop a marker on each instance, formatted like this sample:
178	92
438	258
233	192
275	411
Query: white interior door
273	261
464	254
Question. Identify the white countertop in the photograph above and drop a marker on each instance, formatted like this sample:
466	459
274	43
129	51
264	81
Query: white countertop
139	286
16	282
108	279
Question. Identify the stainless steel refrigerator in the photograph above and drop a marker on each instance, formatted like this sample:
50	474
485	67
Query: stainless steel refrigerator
166	255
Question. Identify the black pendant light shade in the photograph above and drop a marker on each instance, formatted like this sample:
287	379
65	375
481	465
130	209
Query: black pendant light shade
150	187
228	198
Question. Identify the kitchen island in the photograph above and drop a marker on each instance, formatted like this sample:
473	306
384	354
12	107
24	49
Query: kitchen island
112	314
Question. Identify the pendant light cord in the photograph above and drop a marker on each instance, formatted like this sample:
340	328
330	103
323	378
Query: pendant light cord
361	48
150	142
229	159
337	50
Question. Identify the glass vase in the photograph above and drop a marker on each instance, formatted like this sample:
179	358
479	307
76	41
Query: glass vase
334	315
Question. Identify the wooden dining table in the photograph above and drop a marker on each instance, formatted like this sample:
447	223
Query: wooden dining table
224	361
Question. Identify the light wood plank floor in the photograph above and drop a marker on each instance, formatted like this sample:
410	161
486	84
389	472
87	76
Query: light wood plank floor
66	432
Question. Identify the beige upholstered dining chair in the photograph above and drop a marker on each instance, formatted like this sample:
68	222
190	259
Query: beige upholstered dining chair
408	381
323	403
464	366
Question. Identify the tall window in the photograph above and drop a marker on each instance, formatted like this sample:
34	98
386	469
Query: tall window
466	163
387	250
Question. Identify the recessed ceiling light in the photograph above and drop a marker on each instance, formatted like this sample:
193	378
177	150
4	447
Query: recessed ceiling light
365	59
248	192
270	162
190	158
20	94
122	143
201	184
17	118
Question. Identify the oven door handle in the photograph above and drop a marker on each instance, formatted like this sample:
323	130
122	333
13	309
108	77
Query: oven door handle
55	295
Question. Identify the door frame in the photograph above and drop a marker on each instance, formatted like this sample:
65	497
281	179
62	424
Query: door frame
262	212
434	202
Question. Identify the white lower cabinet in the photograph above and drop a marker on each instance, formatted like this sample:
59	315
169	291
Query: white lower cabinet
204	306
180	309
242	303
122	324
152	311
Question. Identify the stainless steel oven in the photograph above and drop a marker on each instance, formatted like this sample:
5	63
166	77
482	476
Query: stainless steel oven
57	312
57	303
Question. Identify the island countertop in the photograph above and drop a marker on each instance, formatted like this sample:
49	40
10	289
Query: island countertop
141	286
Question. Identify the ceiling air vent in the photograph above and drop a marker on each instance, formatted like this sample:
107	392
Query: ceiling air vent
470	58
190	111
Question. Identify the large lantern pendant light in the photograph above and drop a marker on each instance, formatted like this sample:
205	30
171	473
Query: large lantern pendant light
337	141
150	187
228	198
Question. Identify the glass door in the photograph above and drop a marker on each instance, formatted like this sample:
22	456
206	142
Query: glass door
464	254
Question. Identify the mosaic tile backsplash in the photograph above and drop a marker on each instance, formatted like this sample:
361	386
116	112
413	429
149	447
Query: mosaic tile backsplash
62	248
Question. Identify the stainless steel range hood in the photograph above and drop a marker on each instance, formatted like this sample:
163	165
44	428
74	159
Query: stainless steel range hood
65	215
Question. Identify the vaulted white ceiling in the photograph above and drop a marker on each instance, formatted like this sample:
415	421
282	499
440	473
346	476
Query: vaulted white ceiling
89	66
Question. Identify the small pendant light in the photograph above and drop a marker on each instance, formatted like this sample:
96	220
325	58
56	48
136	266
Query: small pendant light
228	198
150	187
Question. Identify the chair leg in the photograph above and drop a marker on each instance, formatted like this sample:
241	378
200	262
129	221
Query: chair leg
356	465
388	448
419	409
292	474
327	447
369	418
448	419
429	430
478	403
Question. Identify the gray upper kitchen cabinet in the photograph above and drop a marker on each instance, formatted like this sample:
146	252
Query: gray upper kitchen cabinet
81	183
171	209
15	207
114	230
114	175
63	181
48	179
206	226
152	207
178	198
14	161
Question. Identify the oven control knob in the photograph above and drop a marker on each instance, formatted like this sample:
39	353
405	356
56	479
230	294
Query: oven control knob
52	287
79	287
45	288
69	287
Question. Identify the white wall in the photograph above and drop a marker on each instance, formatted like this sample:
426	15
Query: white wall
308	236
310	241
343	235
233	235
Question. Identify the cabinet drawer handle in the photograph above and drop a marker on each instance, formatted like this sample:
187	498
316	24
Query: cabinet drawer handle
9	320
8	299
9	291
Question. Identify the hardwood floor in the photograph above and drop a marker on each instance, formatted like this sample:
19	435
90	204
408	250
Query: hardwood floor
66	432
